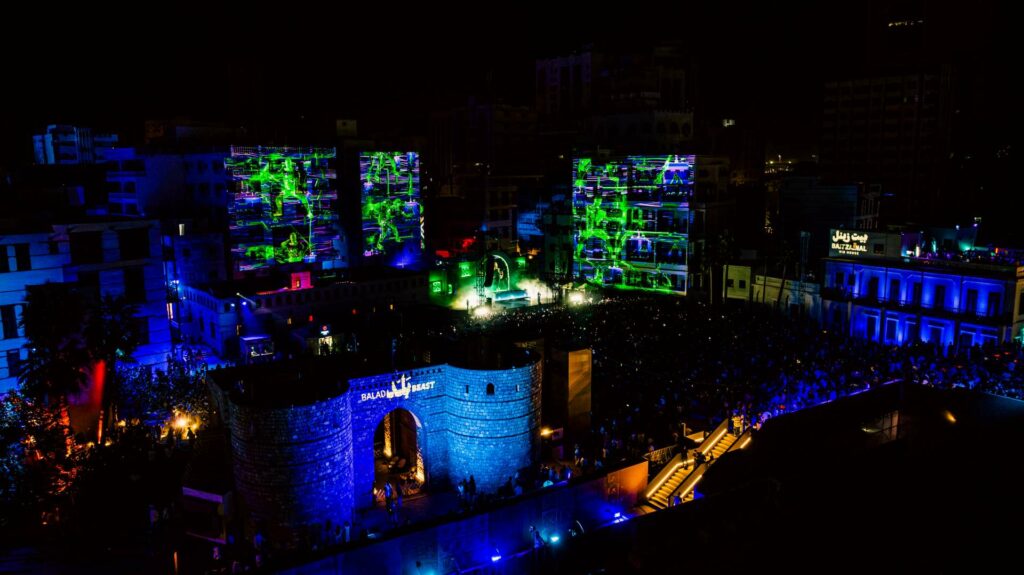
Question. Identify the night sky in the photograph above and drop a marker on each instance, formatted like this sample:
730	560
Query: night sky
761	61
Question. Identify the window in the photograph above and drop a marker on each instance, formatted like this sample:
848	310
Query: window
135	285
890	329
743	284
142	330
467	390
490	389
729	283
894	291
87	248
9	317
971	305
13	362
940	297
5	263
22	258
839	279
134	243
878	249
54	247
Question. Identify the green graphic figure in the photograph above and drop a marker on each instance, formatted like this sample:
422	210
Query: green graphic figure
278	185
294	249
385	213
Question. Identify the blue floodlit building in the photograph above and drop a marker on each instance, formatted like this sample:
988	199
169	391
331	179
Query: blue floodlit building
102	257
898	288
71	145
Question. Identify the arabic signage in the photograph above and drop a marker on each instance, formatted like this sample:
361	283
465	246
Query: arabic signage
849	243
400	389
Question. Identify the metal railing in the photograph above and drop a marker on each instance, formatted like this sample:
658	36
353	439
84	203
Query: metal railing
660	456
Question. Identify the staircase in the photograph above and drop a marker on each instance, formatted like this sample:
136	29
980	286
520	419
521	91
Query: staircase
682	476
661	497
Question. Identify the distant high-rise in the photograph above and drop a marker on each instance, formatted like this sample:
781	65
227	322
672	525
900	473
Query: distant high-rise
70	145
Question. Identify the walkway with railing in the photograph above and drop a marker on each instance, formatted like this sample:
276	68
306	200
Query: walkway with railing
675	483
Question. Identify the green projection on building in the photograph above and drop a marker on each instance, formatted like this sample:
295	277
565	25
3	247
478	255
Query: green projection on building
283	209
392	212
631	219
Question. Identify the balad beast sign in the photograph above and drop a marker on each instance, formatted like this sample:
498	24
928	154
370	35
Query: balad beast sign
399	389
847	243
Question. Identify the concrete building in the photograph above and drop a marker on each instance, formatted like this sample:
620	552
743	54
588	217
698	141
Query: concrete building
72	145
221	316
170	185
123	258
102	258
903	288
892	130
25	259
797	298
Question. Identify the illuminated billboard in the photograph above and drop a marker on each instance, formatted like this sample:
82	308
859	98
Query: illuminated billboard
283	208
391	207
631	220
854	243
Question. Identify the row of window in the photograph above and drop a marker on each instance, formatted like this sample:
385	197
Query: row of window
87	247
339	292
971	300
13	362
22	259
9	321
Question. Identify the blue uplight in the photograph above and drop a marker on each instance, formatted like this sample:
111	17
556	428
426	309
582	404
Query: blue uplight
555	538
495	558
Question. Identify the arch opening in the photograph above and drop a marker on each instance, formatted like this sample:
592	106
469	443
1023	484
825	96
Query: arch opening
398	456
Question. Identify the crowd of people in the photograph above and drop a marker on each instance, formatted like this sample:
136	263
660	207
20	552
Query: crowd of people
663	367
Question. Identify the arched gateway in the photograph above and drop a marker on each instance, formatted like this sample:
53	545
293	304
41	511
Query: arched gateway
303	436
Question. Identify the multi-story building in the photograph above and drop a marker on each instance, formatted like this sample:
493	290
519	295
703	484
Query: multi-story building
903	288
632	221
170	185
29	258
224	317
103	258
70	145
122	258
890	130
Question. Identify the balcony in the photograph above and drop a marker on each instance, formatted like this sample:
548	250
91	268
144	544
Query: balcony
910	306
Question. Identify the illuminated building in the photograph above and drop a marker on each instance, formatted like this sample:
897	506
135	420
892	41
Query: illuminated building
308	440
903	288
225	316
187	185
110	257
102	257
68	145
27	258
283	210
632	221
392	213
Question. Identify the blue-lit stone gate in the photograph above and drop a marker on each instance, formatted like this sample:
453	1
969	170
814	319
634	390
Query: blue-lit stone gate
483	423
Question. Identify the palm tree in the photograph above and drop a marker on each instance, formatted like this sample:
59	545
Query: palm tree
111	335
52	320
